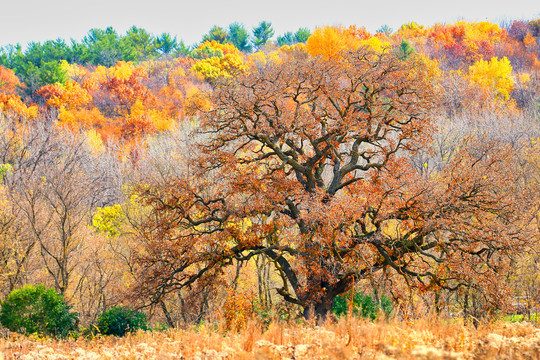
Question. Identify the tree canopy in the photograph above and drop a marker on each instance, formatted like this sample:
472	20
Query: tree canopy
307	161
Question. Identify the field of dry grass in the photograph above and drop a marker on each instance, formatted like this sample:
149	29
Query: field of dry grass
346	339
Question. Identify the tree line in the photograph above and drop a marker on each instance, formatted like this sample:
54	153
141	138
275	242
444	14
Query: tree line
38	64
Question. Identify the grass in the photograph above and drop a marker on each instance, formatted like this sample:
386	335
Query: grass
347	338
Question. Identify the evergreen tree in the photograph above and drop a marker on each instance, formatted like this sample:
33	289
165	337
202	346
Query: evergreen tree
302	35
217	34
262	33
286	39
239	36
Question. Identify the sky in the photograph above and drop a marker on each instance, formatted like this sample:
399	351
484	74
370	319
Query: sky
22	21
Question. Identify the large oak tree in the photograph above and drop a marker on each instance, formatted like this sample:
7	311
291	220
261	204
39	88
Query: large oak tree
306	161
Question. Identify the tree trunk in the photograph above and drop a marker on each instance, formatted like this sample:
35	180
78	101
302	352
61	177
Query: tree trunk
167	314
320	309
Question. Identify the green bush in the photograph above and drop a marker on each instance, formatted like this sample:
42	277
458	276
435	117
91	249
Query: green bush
362	305
36	309
119	320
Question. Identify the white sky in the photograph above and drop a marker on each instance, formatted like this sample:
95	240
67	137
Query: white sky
22	21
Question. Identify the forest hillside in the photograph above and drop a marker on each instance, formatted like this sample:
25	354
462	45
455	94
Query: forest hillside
273	183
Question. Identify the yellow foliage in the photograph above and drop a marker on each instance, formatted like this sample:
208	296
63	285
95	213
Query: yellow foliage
216	47
241	225
524	78
329	42
95	142
176	76
412	30
376	44
122	71
215	67
73	71
160	121
224	60
4	169
67	117
101	74
431	67
485	30
109	220
293	48
476	33
137	109
495	75
260	59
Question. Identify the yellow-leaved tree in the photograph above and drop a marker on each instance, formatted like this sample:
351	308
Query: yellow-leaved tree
494	75
218	60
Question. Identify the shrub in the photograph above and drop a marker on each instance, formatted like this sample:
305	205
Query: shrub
119	320
37	309
363	305
237	310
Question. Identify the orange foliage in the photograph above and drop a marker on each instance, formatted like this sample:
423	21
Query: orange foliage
329	42
9	82
237	310
278	131
69	95
171	86
13	106
82	119
530	43
124	102
467	41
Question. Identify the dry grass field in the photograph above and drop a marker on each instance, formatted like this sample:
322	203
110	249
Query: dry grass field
345	339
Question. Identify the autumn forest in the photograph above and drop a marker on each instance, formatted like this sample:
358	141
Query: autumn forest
258	178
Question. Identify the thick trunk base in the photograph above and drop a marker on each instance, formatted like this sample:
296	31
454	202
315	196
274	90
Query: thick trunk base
320	310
